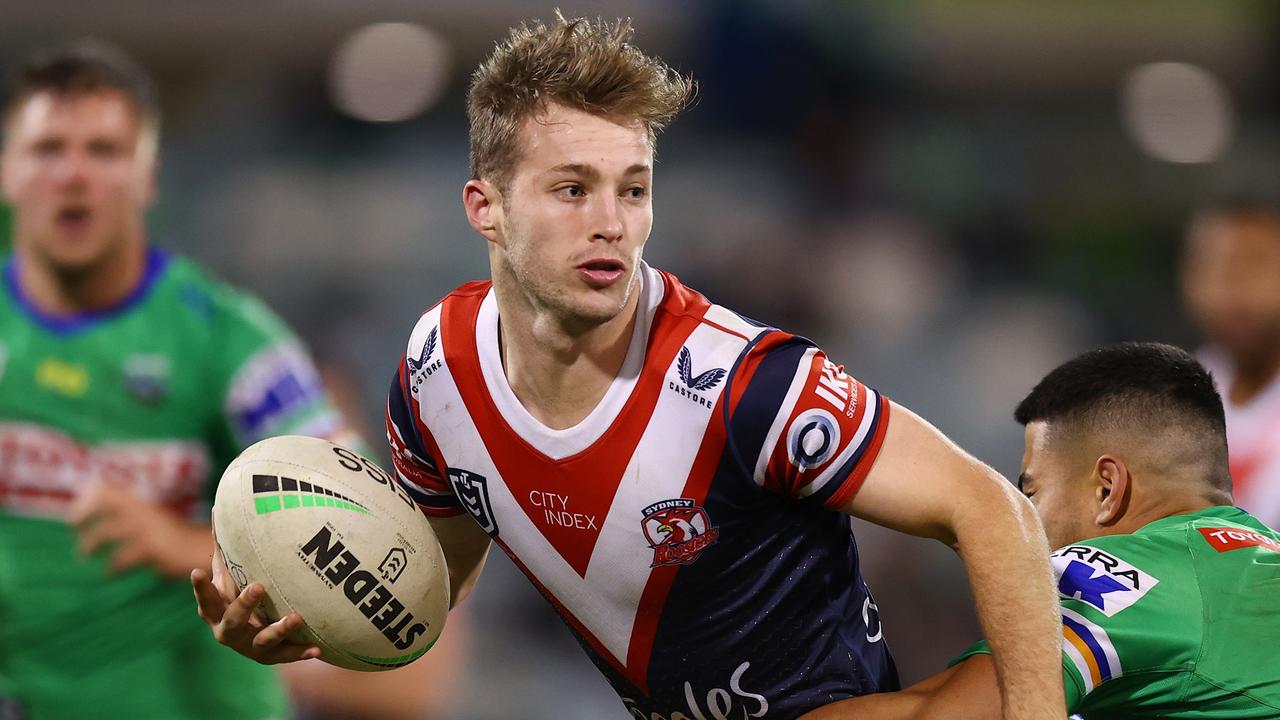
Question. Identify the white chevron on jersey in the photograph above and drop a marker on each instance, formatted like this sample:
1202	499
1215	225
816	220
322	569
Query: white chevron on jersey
569	441
606	598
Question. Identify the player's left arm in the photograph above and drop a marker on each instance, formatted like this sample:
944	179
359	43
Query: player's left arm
923	484
967	691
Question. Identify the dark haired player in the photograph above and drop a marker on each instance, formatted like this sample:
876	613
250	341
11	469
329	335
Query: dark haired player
1170	596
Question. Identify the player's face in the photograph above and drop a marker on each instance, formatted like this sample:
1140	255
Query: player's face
77	175
1058	486
577	213
1231	281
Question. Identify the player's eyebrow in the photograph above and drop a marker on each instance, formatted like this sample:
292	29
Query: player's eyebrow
590	172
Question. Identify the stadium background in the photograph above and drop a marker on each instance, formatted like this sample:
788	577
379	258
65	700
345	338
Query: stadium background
951	198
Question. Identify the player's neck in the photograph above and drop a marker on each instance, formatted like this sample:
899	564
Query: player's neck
102	285
559	373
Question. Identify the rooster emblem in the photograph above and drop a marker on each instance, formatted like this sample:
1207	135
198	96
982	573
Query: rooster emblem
678	531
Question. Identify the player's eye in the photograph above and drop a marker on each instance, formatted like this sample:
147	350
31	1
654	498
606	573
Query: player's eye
103	149
571	191
47	148
637	192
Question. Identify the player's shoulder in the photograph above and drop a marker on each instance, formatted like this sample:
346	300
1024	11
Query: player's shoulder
678	299
1130	577
464	299
207	297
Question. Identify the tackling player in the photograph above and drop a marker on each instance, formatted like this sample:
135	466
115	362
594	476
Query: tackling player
1168	592
128	379
675	479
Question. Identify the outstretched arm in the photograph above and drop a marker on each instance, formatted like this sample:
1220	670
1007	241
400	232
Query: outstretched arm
923	484
967	691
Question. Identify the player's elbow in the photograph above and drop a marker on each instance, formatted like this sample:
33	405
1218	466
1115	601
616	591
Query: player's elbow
990	504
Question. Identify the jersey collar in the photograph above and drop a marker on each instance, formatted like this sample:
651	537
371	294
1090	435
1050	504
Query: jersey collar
157	261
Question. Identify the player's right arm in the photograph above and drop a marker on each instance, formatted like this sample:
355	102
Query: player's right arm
423	474
925	485
833	441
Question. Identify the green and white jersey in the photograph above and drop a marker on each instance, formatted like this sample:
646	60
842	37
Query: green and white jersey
157	395
1180	619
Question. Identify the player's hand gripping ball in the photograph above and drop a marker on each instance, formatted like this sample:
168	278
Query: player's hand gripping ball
331	535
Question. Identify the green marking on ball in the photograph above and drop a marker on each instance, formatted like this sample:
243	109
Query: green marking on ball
396	661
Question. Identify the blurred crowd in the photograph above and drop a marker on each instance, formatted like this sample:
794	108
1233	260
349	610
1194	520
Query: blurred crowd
950	200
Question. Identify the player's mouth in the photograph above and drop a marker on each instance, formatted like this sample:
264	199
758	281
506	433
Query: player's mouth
600	273
73	219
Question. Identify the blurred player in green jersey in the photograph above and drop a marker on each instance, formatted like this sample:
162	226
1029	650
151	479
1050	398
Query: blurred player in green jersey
128	379
1170	595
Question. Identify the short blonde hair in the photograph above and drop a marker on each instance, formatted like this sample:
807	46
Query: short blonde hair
583	64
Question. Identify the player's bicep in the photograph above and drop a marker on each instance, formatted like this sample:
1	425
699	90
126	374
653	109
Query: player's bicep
920	480
810	430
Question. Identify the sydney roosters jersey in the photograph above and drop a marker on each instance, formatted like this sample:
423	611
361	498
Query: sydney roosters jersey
686	529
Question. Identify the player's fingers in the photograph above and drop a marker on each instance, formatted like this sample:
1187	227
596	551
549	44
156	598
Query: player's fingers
277	633
240	612
290	652
85	505
128	555
95	534
221	577
209	602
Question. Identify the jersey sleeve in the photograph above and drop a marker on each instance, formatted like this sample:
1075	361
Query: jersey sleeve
804	428
415	467
1131	625
270	385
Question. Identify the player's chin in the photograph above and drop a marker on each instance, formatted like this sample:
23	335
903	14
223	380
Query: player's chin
74	255
594	306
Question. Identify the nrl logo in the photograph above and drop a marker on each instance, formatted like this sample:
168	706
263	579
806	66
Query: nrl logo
678	531
422	367
473	491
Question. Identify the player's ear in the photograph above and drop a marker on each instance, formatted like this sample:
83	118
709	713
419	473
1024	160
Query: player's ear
6	192
1112	489
483	203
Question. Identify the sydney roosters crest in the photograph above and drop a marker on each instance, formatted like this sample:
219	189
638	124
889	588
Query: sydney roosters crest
678	531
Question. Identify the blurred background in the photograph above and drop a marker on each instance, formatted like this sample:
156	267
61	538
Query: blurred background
951	198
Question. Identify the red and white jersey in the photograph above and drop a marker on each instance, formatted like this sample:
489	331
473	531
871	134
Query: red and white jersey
685	529
1253	440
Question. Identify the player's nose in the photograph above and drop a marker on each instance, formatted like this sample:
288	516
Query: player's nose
606	219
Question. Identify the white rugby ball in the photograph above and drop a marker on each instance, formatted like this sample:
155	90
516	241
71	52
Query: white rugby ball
331	535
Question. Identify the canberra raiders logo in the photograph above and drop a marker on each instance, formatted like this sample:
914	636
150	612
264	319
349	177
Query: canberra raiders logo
678	531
